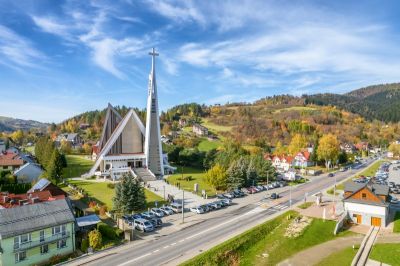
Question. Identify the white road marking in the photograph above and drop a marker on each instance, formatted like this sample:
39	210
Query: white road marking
173	244
166	246
157	250
135	259
180	241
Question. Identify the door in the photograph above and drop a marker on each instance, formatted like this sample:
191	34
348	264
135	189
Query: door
359	219
375	221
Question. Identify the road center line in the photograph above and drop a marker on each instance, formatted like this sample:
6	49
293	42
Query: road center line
135	259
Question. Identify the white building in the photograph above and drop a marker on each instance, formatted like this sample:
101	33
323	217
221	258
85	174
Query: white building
127	146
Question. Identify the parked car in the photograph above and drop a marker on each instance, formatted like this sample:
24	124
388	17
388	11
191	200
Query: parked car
260	188
143	225
197	210
238	193
229	195
157	222
274	196
394	200
227	202
148	215
167	210
331	175
221	196
205	208
157	212
176	207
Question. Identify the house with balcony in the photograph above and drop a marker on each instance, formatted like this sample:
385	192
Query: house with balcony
32	234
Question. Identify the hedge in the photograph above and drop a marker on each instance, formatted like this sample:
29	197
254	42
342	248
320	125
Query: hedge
16	188
109	232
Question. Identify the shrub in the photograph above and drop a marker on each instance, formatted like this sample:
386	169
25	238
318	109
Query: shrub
92	204
107	231
95	239
55	259
84	245
110	185
119	233
103	210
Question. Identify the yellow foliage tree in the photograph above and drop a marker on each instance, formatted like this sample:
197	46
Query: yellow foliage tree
328	149
217	177
298	143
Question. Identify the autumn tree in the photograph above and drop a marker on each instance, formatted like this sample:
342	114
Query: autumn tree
87	148
217	177
298	143
279	149
18	137
95	239
328	149
395	149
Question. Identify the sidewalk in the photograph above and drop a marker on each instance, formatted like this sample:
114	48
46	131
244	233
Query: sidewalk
313	255
161	188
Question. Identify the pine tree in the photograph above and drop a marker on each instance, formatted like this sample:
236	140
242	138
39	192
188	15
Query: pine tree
129	195
237	174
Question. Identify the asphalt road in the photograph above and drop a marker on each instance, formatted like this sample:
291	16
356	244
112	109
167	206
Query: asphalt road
190	241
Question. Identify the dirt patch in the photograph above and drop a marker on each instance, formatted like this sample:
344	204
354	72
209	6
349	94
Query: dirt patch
297	226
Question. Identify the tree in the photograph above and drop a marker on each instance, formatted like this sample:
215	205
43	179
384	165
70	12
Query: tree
55	166
395	149
129	195
342	157
209	158
217	177
328	149
251	173
87	149
264	169
66	147
298	143
279	149
95	239
18	137
237	174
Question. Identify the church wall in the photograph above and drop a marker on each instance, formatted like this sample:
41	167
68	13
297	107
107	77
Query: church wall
132	138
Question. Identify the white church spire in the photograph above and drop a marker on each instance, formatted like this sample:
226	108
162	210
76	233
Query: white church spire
153	148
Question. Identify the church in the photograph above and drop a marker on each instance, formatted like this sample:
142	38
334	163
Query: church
127	146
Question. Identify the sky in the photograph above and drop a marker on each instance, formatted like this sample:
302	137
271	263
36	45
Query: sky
61	58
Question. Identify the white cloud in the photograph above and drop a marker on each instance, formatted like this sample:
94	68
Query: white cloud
50	25
18	51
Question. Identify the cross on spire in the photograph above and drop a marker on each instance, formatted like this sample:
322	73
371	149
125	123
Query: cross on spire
153	53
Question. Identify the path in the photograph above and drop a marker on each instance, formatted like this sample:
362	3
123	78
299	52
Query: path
313	255
191	199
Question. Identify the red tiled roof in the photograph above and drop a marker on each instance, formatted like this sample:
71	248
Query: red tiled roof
13	200
10	159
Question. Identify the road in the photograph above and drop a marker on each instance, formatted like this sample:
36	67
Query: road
190	241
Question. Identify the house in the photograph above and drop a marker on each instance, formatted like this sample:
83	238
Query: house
10	160
282	163
45	185
29	172
303	159
84	126
10	200
72	138
367	204
200	130
348	148
182	122
32	234
363	146
290	175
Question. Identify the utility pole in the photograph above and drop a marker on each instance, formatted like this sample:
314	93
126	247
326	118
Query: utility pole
183	206
290	197
164	191
267	181
334	196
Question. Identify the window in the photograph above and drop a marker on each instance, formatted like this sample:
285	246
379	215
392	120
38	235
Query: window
42	236
61	243
59	229
18	240
364	195
44	249
20	256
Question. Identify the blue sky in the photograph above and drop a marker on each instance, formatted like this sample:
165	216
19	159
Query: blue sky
60	58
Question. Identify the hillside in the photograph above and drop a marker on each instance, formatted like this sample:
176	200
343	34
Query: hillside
381	102
11	124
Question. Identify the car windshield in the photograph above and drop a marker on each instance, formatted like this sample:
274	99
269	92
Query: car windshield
147	224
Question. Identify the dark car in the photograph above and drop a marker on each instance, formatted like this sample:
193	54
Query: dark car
274	196
157	222
330	175
238	193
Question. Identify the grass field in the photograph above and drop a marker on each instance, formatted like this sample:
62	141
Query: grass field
268	238
206	145
305	205
296	108
197	176
386	253
76	166
340	258
103	194
214	127
396	223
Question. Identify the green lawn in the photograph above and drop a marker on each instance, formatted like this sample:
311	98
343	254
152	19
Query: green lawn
76	166
268	238
197	176
214	127
386	253
396	225
305	205
341	258
296	108
103	194
206	145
